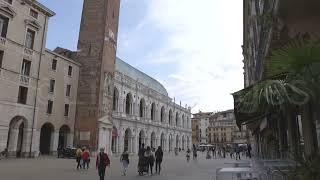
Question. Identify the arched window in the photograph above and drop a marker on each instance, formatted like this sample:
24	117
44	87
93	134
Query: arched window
177	119
183	121
115	99
129	103
170	117
142	108
162	114
153	111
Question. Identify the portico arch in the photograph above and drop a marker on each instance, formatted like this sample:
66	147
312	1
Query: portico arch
142	108
153	140
114	141
170	117
128	140
177	141
142	137
129	102
177	118
162	140
170	142
115	99
16	136
64	136
162	114
46	138
183	142
153	111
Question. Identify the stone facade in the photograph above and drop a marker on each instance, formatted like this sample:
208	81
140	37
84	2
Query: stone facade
217	128
27	127
223	129
143	113
200	124
97	47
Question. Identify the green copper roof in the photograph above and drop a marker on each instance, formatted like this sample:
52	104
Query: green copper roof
139	76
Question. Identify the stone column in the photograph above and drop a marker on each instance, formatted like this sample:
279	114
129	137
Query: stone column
130	144
13	141
70	139
54	142
135	144
121	142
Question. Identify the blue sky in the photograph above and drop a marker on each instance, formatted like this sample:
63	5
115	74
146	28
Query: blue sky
193	49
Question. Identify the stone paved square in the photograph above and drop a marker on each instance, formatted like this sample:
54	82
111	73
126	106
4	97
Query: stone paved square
51	168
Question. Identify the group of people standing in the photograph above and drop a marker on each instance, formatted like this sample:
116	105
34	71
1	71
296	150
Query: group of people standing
235	152
147	158
83	158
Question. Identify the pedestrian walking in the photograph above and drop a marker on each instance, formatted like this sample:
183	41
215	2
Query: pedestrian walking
159	157
150	157
188	155
86	158
124	159
102	162
79	158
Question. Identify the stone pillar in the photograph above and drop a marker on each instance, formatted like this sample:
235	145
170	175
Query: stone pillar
102	141
13	141
130	144
135	144
54	142
70	139
26	143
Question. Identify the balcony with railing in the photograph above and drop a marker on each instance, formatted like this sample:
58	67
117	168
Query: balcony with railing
24	79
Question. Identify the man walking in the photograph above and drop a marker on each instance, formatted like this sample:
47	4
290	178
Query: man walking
101	163
159	157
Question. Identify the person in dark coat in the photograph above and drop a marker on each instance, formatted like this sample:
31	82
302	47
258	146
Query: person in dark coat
150	158
141	160
159	157
101	163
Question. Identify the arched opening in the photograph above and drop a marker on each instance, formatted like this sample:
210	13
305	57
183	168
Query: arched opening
183	121
114	142
170	142
127	140
142	108
142	137
188	141
129	103
16	136
153	140
153	111
162	114
183	143
162	141
170	117
46	136
115	99
64	134
177	141
177	119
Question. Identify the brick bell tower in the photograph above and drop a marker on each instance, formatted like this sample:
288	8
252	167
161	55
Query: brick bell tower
97	47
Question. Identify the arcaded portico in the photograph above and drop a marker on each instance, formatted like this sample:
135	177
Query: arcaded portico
143	113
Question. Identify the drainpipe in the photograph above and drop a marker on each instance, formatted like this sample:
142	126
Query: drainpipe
37	84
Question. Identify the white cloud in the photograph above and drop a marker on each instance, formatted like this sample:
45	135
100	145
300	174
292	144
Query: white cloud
207	35
202	43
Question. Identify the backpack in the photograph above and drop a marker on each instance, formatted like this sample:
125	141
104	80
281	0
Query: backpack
104	160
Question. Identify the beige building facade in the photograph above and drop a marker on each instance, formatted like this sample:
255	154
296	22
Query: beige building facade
32	104
217	128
